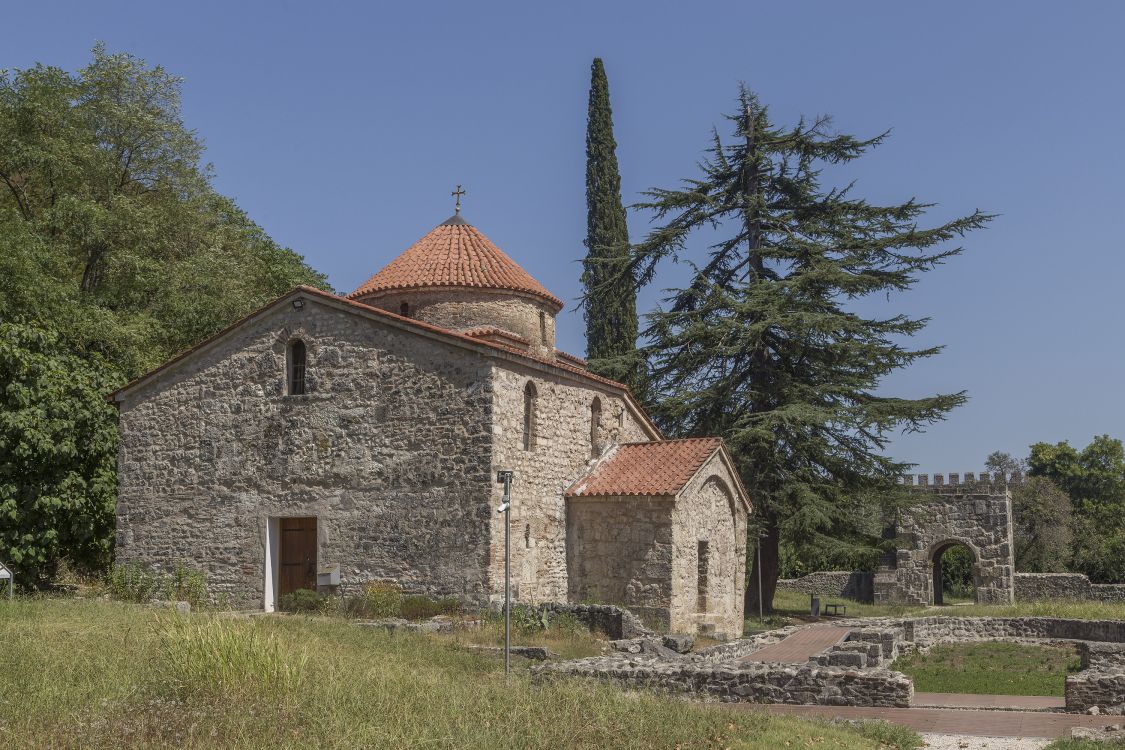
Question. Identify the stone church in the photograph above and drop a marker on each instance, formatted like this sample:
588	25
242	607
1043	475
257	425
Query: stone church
327	441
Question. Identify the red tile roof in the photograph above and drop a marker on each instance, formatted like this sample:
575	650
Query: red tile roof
658	468
454	254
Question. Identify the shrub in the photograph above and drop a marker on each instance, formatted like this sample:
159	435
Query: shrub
303	600
188	586
423	607
225	659
528	620
135	583
377	599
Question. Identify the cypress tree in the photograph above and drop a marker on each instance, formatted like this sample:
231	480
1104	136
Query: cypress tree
609	302
764	346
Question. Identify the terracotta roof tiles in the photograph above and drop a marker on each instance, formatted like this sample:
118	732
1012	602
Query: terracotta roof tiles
658	468
454	254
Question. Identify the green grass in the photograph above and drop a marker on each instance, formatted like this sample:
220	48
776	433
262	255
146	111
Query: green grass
78	674
1081	744
990	669
1074	610
792	606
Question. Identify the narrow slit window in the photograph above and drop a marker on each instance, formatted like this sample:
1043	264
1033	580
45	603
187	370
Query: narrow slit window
543	327
404	309
595	427
530	396
297	361
703	558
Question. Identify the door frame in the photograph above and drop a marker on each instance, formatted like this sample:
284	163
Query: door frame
273	555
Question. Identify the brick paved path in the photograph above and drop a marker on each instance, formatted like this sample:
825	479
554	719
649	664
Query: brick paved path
967	700
951	720
797	648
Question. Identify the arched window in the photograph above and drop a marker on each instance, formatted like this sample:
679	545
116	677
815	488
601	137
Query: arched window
295	365
529	398
595	427
404	309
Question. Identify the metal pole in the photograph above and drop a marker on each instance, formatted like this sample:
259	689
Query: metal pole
507	575
761	618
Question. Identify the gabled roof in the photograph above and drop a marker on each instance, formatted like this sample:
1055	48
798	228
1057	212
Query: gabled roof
483	346
661	468
455	254
658	468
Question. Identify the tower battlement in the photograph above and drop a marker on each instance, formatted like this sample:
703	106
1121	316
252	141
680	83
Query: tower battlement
968	480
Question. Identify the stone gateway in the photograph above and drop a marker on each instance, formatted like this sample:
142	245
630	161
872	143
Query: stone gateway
327	441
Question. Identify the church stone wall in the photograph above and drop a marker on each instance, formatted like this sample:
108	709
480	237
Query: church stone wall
462	309
389	449
707	510
561	454
620	551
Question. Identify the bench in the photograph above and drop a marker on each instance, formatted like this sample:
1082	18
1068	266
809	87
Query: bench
834	609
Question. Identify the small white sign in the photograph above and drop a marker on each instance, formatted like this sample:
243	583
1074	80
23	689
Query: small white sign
4	573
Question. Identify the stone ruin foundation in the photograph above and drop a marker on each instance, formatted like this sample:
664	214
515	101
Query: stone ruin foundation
854	671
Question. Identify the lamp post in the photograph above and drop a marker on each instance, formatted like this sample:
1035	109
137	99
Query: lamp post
504	477
761	617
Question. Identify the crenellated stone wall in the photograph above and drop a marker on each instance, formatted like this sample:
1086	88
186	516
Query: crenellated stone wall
976	514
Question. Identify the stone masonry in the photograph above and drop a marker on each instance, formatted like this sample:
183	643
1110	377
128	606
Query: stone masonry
381	465
975	514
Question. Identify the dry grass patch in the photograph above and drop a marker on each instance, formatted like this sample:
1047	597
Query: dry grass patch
77	674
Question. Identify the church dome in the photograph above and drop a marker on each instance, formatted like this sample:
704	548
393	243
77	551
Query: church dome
454	254
456	278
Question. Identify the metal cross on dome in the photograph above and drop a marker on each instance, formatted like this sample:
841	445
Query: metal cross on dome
457	194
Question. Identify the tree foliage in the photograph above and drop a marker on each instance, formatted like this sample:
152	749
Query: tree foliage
116	253
1094	480
1041	515
58	453
111	229
762	345
610	302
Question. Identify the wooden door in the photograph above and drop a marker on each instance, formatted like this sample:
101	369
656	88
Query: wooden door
298	555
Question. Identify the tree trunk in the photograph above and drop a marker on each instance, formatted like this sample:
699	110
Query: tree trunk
769	560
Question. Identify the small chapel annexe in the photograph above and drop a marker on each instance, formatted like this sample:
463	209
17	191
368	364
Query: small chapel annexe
326	441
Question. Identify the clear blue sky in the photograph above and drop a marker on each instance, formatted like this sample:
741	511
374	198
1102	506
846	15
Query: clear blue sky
342	127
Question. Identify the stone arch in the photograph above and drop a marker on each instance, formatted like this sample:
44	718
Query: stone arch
934	555
975	514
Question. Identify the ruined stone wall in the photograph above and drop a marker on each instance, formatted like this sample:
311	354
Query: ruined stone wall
977	514
1095	692
707	510
562	453
461	309
619	551
389	449
1044	586
749	682
856	584
930	630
